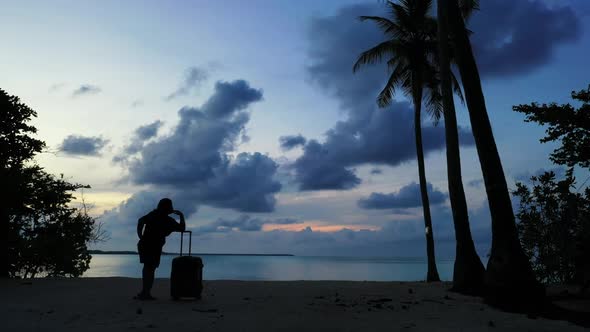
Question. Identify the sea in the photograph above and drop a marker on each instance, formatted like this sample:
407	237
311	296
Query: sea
281	268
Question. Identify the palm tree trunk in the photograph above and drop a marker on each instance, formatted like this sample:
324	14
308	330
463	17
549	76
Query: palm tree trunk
432	274
468	274
509	278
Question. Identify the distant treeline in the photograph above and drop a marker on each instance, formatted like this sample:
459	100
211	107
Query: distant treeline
102	252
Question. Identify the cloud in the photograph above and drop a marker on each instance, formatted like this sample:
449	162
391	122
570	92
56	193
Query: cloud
376	171
316	171
148	131
243	223
399	234
82	145
86	89
475	183
193	78
368	135
516	37
244	184
291	142
372	136
56	87
407	197
140	136
510	38
196	149
194	164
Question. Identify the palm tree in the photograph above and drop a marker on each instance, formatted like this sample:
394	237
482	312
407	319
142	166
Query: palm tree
468	274
509	278
409	47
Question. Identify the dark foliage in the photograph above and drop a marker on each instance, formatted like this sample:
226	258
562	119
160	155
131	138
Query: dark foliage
554	228
566	124
42	235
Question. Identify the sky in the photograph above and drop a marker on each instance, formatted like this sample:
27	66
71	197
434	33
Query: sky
248	116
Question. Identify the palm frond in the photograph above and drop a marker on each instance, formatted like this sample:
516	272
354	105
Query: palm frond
385	24
434	102
400	12
386	95
374	55
467	7
412	54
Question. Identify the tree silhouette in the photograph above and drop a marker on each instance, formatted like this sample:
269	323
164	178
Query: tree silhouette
554	223
566	124
554	228
468	274
509	279
16	148
41	233
411	49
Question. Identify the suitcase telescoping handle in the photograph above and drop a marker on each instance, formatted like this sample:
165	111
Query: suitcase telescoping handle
190	236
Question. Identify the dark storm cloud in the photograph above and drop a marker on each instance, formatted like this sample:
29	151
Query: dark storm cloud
375	136
243	223
140	136
230	97
246	184
148	131
528	36
82	145
291	142
335	42
193	163
407	197
197	147
193	78
86	89
510	37
316	171
516	37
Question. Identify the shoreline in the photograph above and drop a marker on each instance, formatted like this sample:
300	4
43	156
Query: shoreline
94	252
96	304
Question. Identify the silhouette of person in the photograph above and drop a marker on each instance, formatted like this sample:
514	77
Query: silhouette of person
152	230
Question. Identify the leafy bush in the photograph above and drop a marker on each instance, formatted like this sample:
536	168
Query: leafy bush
554	228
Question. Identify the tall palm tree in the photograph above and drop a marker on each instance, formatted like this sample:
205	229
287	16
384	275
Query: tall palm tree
468	274
509	278
409	46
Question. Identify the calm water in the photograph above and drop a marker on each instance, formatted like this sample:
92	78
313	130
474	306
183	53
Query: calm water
280	268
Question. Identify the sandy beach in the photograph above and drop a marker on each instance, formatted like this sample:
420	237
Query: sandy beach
106	304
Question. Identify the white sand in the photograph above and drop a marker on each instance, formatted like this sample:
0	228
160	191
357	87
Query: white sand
105	304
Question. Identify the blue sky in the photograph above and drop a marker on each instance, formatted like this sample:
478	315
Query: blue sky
189	99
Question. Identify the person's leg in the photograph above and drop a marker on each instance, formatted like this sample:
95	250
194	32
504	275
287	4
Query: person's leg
148	274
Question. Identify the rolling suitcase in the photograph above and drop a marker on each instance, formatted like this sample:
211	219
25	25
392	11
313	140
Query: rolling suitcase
186	277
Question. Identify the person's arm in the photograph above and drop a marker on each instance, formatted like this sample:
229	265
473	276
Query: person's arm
182	225
140	224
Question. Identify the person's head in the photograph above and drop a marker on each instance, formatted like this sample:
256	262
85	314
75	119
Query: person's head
165	205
